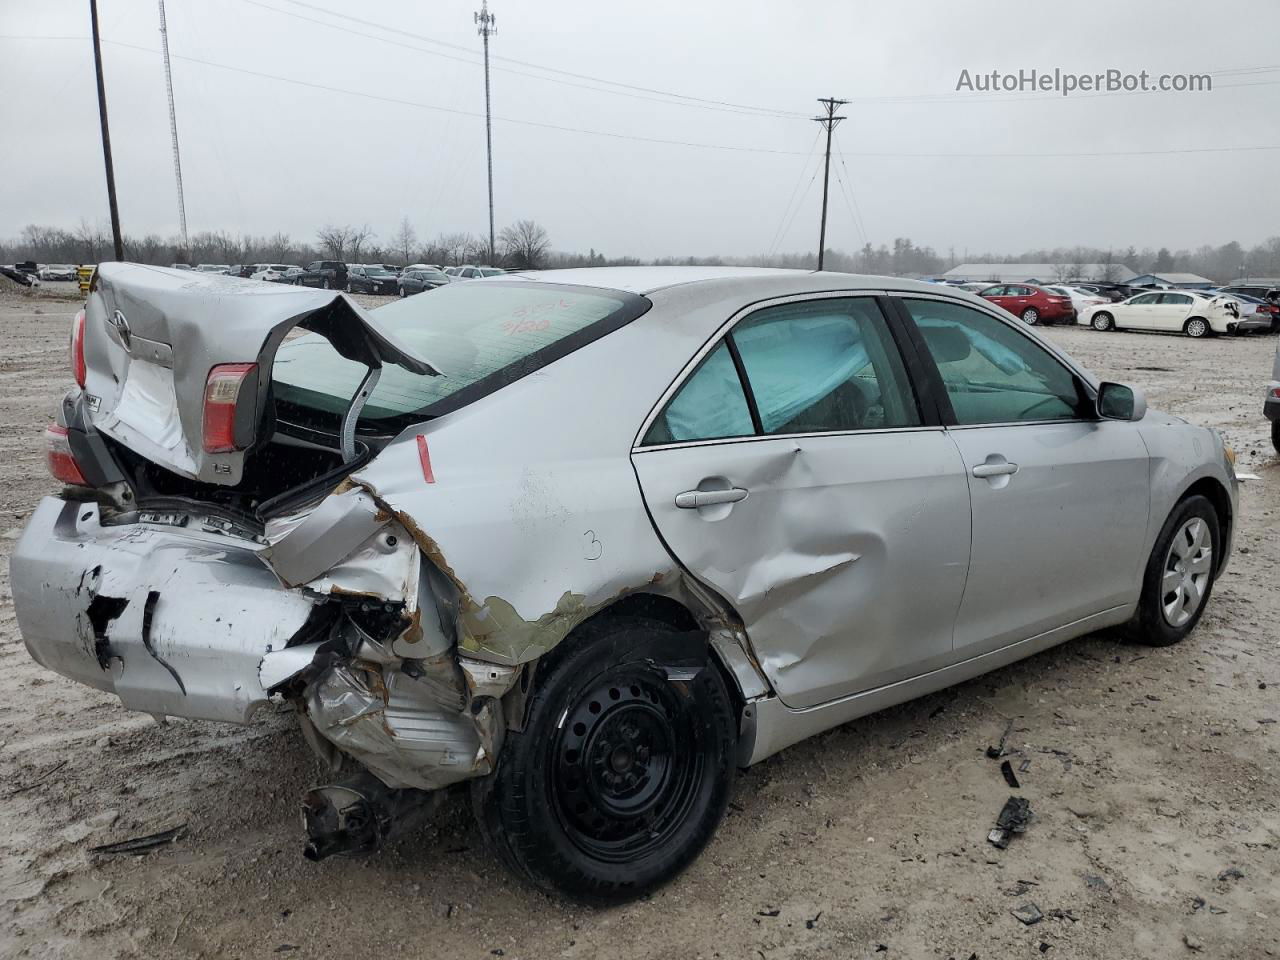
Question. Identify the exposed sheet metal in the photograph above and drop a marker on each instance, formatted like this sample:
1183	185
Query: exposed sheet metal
188	623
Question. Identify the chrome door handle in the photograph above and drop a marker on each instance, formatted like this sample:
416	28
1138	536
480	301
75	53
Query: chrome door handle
692	499
995	469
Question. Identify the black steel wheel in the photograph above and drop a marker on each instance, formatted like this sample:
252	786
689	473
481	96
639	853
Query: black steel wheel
621	774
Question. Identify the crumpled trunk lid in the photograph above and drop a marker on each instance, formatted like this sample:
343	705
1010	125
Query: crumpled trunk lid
152	335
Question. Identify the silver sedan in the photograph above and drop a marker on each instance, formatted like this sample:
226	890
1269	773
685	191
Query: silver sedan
589	540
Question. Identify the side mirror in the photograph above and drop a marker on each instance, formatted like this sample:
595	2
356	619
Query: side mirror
1116	401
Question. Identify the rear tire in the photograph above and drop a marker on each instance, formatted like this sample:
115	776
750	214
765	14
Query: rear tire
324	284
620	776
1180	575
1275	435
402	293
1031	316
1102	322
1196	328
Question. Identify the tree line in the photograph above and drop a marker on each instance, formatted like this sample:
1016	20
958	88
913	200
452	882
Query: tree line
525	245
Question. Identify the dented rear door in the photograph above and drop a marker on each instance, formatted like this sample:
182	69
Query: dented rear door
824	512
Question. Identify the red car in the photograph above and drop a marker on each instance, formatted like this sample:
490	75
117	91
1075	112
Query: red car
1031	303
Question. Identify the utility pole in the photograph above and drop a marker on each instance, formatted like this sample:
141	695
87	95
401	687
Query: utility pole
830	121
173	128
106	134
485	26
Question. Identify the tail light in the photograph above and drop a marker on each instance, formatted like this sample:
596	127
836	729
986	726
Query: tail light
77	349
222	392
61	461
1275	393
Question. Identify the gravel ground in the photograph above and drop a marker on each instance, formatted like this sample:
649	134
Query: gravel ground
1152	775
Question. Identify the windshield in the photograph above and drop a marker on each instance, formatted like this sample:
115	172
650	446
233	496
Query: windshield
480	336
377	272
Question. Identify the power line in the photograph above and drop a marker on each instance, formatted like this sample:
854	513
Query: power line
667	142
536	66
777	234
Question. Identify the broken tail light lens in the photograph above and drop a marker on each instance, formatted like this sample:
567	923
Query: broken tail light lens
77	349
61	461
222	392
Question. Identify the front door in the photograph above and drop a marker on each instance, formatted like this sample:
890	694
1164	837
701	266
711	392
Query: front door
792	473
1060	498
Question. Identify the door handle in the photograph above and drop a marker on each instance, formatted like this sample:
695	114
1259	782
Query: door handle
693	499
983	470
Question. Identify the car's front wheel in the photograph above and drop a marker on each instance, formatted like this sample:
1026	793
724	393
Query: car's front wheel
1102	322
1031	316
324	284
401	293
1197	328
1180	574
622	771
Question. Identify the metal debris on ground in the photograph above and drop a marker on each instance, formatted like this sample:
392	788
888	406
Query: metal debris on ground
996	752
1028	913
1231	873
1059	914
1006	768
140	845
1012	819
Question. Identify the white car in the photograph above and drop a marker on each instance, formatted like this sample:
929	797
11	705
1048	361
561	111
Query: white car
1081	300
1174	311
269	271
56	271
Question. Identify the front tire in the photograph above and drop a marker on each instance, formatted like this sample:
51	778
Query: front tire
620	776
1102	322
324	284
1197	328
402	293
1180	574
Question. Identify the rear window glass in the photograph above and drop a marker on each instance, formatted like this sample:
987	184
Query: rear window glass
481	336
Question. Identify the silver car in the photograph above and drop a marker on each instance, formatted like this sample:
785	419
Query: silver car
589	540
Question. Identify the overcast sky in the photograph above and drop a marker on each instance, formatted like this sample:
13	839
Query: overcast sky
261	155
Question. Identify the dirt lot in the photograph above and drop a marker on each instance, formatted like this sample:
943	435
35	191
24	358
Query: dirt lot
1153	778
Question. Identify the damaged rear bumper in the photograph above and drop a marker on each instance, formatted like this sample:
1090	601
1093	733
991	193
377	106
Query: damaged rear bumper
180	621
173	624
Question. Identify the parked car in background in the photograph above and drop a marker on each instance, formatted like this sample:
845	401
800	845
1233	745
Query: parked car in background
1114	291
1269	293
421	266
1271	406
20	276
273	272
1030	303
416	281
180	266
470	272
973	286
223	268
326	274
331	523
56	271
1259	306
370	278
291	275
1175	311
1079	297
451	272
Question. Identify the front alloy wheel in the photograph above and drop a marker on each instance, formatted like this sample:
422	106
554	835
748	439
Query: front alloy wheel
1188	565
1102	322
1031	316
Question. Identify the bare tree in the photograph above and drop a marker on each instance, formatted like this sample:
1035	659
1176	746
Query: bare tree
525	244
454	246
92	238
278	247
404	241
334	240
476	250
1062	272
359	239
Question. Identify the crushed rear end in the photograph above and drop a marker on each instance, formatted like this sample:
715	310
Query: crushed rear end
207	555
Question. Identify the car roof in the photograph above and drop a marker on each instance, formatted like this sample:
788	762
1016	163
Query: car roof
644	280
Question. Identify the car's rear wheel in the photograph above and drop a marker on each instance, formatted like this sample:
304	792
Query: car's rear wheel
324	284
1275	435
1031	316
1180	574
1197	328
621	774
401	293
1102	322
